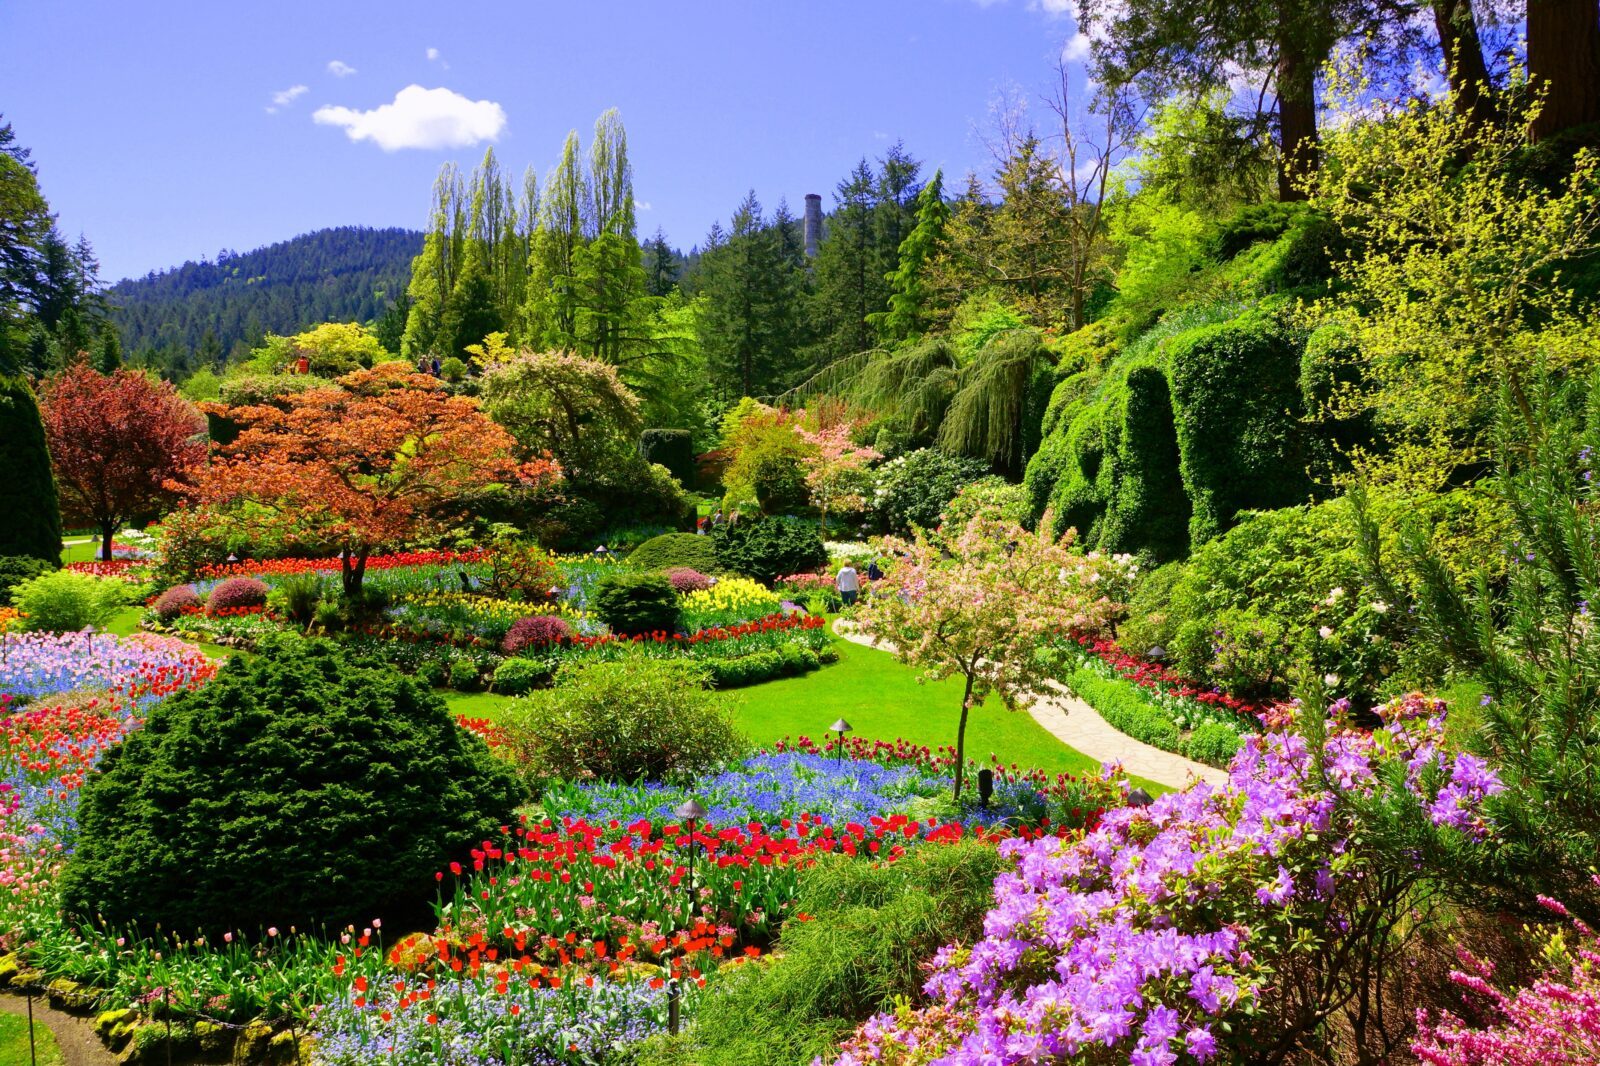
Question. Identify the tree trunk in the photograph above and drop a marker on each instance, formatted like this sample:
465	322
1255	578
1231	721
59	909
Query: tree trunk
107	530
961	738
1470	86
1297	119
353	567
1564	62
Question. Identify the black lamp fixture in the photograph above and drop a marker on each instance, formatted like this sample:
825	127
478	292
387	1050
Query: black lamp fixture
1157	654
688	812
1139	798
841	727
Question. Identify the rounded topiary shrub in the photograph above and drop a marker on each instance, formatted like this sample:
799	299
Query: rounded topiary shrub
675	549
535	631
685	580
175	601
630	720
300	787
632	604
238	592
764	548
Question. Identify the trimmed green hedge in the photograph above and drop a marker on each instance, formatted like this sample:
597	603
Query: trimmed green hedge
676	549
1237	405
790	660
1122	704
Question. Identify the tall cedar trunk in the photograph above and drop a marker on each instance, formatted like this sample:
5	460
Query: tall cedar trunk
106	532
961	737
1564	61
1297	118
1470	86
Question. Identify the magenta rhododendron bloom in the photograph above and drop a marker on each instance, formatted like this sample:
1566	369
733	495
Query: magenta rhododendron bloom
1162	936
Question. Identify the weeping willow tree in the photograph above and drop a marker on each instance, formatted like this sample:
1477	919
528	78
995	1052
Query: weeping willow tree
984	402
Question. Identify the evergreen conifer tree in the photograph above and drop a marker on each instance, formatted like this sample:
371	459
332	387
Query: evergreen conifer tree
28	490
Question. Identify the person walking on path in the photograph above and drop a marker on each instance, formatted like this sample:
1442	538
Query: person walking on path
849	584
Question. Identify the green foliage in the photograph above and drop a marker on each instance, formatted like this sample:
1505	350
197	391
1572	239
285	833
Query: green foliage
1125	709
298	787
1237	406
519	675
676	549
453	370
993	494
628	720
28	491
874	926
1252	604
789	660
1529	642
634	603
61	601
671	448
770	547
1146	507
914	489
15	569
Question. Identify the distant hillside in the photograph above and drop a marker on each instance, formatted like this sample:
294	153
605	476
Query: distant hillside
350	273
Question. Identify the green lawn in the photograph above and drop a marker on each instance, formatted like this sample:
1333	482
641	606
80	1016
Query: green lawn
14	1041
79	550
882	700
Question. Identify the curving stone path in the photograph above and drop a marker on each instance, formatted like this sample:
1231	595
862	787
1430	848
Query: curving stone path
1079	726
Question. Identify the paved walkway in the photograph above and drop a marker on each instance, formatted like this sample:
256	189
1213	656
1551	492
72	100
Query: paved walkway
1079	726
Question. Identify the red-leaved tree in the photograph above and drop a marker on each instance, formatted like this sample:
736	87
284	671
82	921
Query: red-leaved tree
366	464
116	440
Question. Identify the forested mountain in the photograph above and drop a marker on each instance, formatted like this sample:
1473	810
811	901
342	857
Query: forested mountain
350	273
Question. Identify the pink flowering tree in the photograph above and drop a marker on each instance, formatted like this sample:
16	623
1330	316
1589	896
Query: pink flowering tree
1553	1022
834	466
1216	925
978	602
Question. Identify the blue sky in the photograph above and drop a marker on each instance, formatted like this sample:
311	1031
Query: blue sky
151	128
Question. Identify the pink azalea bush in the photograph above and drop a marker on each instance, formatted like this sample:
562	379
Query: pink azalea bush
1553	1022
1177	932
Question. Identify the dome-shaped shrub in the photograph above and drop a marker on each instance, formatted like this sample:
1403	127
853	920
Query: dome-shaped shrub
535	631
238	592
684	580
175	601
299	787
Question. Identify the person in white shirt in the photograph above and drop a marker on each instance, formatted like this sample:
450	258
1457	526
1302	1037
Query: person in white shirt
849	584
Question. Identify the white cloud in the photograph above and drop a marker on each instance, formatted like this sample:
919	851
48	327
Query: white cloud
434	57
641	205
286	97
433	53
1056	8
340	69
1077	47
419	118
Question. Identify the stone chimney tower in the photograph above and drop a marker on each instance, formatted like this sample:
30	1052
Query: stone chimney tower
813	223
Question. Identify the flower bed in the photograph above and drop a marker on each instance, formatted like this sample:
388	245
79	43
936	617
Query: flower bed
1169	928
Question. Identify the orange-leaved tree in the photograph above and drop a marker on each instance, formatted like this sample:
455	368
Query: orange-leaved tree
366	464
